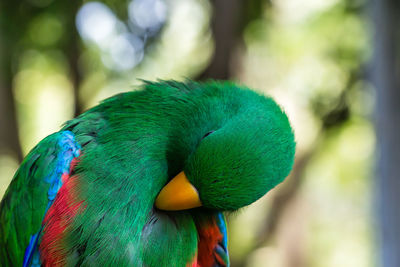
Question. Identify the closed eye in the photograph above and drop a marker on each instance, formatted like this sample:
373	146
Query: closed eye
207	134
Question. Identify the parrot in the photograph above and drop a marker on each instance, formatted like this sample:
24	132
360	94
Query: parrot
146	178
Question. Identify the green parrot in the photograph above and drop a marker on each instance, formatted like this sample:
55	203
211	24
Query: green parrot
143	178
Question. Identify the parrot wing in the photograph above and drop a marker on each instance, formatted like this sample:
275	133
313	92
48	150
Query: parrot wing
213	242
29	196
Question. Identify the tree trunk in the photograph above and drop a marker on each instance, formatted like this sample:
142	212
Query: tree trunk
9	136
225	27
72	51
386	77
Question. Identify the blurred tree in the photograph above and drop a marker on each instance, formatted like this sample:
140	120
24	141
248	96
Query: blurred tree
9	140
16	18
11	27
229	19
225	28
43	26
71	49
386	76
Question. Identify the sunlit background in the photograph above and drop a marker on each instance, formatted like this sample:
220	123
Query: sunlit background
310	55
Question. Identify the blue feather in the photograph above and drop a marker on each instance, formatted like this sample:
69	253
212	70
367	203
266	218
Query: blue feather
222	227
68	150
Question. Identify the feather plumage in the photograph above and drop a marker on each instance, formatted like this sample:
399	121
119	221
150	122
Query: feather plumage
30	195
234	144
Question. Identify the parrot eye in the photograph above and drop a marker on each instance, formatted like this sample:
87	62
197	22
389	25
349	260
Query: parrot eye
207	134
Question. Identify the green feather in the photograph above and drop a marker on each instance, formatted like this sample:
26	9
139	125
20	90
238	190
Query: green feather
24	203
135	142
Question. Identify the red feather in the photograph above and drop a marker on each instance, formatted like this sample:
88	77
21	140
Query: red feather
59	216
209	237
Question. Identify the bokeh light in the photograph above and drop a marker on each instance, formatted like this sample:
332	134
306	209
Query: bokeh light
309	55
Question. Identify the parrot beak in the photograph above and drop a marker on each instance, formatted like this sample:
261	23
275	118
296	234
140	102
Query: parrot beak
178	194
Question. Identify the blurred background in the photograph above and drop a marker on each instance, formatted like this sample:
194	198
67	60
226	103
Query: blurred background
333	65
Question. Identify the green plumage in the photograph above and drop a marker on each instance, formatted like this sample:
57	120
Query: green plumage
132	145
24	203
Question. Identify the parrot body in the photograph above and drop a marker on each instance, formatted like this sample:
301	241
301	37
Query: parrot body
90	194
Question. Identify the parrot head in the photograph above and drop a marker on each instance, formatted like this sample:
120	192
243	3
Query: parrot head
245	155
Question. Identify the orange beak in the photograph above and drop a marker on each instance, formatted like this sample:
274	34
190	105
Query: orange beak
178	194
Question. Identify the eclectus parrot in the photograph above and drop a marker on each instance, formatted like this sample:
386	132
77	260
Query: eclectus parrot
142	179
